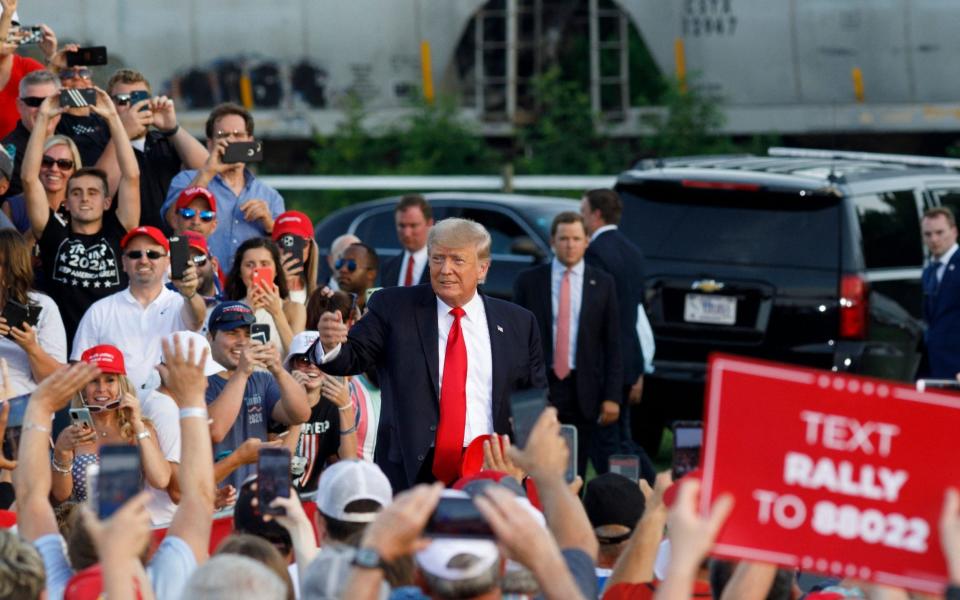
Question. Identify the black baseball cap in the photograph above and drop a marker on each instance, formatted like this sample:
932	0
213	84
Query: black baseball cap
612	499
227	316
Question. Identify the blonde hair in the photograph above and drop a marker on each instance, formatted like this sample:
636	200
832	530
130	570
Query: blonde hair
457	233
21	569
126	427
57	140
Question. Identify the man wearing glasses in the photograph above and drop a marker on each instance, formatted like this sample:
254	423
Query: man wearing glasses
246	207
136	318
35	87
357	271
159	143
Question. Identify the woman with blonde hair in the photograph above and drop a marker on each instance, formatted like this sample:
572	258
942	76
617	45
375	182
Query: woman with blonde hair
115	411
60	160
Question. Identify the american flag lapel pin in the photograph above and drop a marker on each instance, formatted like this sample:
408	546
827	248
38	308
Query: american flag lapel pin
500	329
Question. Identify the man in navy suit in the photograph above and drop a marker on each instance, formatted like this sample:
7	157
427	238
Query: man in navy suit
580	332
414	218
612	252
447	358
941	293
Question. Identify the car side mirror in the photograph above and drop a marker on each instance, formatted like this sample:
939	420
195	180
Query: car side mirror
525	246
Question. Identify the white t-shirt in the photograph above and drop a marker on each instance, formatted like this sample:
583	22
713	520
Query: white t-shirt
120	320
162	410
52	338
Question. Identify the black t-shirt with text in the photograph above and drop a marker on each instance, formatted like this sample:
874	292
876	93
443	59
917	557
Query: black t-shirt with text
319	440
79	269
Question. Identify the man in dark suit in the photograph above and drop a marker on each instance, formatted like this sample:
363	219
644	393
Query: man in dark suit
579	330
612	252
414	218
941	293
447	358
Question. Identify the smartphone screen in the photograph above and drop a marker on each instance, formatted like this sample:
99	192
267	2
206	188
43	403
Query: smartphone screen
457	517
525	409
569	434
179	256
627	465
687	440
260	332
87	57
82	417
119	478
273	478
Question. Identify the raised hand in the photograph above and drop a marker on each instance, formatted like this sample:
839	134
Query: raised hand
182	373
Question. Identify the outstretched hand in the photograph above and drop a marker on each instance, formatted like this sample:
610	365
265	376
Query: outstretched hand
55	391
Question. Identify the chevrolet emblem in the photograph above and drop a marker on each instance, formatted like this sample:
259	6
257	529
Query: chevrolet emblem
707	285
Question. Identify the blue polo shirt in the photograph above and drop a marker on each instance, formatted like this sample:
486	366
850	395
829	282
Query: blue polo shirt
232	229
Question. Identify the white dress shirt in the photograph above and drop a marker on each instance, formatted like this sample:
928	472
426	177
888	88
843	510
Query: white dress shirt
576	300
476	336
419	264
944	260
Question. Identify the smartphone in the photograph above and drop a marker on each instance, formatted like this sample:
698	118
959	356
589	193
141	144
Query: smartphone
139	96
33	314
369	292
27	34
243	152
627	465
273	478
119	478
569	434
458	517
90	56
15	314
262	276
525	409
293	244
353	304
76	98
260	332
687	440
81	416
179	256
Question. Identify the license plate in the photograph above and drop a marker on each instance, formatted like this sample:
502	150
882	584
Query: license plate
704	308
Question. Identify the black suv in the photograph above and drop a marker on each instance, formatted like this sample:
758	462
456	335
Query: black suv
803	256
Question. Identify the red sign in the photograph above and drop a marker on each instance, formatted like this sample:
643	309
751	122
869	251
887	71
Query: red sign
832	473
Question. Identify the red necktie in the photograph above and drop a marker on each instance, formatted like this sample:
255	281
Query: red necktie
408	279
453	405
561	354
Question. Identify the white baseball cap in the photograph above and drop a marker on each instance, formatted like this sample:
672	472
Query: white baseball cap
347	481
437	559
299	345
211	367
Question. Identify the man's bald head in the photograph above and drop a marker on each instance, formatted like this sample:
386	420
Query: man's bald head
340	244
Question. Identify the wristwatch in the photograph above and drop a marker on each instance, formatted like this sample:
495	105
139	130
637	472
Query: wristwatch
367	558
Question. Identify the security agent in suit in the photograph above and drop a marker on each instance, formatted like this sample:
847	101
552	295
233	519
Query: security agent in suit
584	371
447	358
414	218
612	252
941	293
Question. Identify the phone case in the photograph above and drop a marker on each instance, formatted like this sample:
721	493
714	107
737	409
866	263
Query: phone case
179	256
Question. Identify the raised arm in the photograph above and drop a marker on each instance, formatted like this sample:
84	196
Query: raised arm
32	476
183	376
635	564
35	197
192	153
128	190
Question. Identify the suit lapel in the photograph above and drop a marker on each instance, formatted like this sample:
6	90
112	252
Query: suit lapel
498	349
949	274
544	293
426	316
587	298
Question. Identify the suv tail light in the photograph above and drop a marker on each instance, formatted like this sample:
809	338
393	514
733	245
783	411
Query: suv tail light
853	307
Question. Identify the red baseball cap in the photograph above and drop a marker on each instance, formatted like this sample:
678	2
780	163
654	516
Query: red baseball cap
107	357
187	196
292	221
196	241
151	232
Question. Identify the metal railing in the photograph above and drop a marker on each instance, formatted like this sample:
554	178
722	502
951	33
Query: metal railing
498	183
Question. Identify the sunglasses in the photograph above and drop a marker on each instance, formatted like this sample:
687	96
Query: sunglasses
138	254
131	98
65	164
301	360
33	101
205	215
199	260
222	135
95	408
351	264
81	73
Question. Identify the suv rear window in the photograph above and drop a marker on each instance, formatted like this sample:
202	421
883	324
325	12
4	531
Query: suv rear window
669	221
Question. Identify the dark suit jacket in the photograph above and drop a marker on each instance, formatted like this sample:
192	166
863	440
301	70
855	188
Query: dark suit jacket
390	272
398	336
941	309
599	368
614	253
